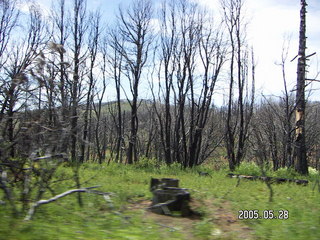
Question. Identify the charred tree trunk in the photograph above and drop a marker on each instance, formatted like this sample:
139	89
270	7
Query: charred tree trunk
240	110
93	50
300	138
9	129
229	133
132	148
60	27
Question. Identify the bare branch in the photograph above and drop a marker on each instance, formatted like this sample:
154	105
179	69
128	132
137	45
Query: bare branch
40	202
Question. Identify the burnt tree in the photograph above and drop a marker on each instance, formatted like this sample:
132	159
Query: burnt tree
300	138
240	110
134	26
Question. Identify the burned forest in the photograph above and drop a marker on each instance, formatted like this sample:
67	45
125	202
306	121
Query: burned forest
164	89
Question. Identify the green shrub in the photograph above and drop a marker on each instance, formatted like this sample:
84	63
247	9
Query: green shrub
248	168
148	163
286	173
314	175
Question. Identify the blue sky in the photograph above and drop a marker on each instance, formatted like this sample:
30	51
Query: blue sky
271	21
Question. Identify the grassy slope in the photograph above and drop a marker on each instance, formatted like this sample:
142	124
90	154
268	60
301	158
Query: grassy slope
98	220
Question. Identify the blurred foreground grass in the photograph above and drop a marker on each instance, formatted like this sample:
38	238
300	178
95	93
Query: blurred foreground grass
97	219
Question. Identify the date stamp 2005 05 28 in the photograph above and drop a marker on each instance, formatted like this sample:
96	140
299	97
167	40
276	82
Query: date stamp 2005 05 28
265	214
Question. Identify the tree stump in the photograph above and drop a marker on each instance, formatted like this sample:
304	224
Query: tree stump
168	197
164	182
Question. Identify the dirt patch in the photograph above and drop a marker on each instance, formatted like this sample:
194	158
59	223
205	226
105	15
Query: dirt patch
226	220
227	226
168	223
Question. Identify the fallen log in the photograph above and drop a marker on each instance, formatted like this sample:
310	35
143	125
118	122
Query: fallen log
269	179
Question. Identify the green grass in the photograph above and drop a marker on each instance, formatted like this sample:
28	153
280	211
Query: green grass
97	219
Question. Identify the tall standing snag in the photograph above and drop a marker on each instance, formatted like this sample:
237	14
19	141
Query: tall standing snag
300	139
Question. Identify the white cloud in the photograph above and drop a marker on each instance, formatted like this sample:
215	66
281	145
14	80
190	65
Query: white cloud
24	7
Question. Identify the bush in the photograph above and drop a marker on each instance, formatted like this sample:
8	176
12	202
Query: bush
314	175
286	173
149	164
248	168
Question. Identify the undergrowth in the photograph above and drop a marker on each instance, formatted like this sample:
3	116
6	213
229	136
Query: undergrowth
252	169
123	219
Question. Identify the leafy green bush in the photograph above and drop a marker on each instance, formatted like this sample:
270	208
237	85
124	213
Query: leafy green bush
148	163
286	173
248	168
313	174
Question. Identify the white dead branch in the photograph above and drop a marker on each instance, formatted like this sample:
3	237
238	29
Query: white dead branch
87	190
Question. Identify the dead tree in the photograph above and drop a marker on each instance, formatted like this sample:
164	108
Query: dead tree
115	59
61	27
191	55
284	111
94	38
239	112
288	116
168	40
300	138
134	26
212	51
100	143
15	88
78	31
